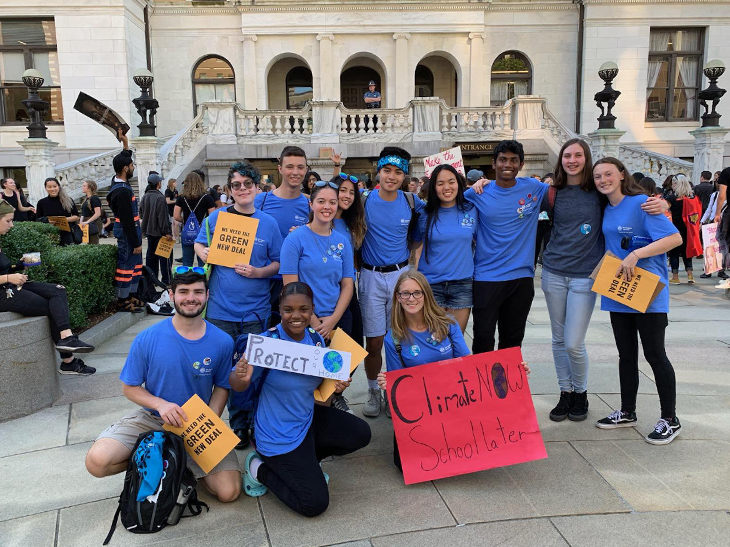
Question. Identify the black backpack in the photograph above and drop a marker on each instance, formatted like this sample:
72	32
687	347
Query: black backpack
178	483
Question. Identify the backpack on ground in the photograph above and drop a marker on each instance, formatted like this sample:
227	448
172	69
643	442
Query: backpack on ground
147	290
192	225
157	466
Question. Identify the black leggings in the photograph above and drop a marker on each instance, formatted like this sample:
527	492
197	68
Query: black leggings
295	477
38	300
651	327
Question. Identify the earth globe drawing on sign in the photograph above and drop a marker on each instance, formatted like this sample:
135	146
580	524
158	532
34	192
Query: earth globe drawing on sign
332	362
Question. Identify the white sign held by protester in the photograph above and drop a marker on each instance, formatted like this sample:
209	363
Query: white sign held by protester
262	351
714	250
447	157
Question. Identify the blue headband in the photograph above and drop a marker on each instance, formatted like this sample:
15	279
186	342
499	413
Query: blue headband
396	161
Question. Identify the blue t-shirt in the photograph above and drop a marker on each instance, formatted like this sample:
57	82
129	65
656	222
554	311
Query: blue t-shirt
286	403
174	368
234	297
449	256
421	348
341	226
321	262
386	239
627	220
286	212
507	229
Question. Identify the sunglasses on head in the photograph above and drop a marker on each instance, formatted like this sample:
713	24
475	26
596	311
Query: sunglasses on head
236	185
185	269
345	176
323	183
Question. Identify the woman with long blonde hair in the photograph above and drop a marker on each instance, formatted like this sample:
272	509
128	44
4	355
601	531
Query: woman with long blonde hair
684	206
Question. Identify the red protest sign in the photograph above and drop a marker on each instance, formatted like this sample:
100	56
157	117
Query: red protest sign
464	415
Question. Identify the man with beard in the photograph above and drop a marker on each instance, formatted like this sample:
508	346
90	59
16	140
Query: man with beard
127	230
167	364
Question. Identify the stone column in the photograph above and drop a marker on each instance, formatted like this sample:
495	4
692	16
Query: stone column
326	78
403	80
709	147
39	165
476	70
604	143
146	158
250	85
426	119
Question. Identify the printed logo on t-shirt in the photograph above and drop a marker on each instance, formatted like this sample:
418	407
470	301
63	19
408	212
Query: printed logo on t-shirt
625	229
405	220
259	241
302	220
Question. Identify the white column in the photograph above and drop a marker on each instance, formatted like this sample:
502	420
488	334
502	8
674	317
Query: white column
477	92
146	159
709	147
605	143
326	78
250	84
39	165
403	80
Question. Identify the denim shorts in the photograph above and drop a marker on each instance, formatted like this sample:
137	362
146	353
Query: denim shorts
454	295
376	299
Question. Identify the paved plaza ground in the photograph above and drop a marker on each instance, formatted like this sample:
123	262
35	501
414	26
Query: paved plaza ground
597	487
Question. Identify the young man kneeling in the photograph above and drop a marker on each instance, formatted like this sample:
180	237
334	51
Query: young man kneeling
167	364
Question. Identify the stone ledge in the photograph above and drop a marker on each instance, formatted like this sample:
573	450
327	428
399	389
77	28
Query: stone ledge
111	327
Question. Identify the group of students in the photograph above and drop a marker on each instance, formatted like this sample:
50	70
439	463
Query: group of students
473	248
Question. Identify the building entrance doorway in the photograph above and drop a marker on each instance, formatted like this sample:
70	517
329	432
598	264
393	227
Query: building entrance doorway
354	84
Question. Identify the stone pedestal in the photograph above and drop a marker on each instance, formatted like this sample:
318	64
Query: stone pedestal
426	119
529	112
417	167
709	148
222	121
39	165
146	158
325	122
604	143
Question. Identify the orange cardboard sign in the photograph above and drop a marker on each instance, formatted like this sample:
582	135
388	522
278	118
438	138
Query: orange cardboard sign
85	232
207	438
164	247
637	294
340	342
233	239
60	222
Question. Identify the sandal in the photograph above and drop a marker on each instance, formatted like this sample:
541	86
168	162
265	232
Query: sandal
136	301
128	306
251	486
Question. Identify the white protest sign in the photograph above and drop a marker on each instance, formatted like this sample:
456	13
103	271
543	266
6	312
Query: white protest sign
714	249
276	354
447	157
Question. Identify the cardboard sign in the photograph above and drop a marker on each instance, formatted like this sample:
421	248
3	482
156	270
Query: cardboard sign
714	250
637	294
464	415
340	342
60	222
164	247
207	438
85	233
233	239
447	157
101	113
262	351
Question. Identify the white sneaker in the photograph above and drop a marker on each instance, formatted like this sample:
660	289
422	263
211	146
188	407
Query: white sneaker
372	407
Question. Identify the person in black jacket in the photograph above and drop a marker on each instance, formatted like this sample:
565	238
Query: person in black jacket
123	204
155	226
58	204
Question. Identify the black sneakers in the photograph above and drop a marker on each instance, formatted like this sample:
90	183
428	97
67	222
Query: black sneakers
561	410
243	439
77	367
72	344
664	432
340	403
616	419
579	408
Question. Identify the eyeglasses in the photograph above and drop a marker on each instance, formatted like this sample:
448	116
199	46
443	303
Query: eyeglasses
322	183
237	185
345	176
405	295
185	269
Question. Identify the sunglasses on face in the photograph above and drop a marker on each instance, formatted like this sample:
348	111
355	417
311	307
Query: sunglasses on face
185	269
322	183
237	185
345	176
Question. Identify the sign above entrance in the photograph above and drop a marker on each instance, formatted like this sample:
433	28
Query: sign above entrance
477	147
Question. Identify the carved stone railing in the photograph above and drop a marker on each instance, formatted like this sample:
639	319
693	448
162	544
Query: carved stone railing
184	145
375	122
655	165
252	123
459	120
98	168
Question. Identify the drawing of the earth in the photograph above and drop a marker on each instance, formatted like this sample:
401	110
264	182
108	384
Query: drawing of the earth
332	361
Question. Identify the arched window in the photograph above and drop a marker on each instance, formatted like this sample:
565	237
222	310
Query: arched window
299	88
213	81
424	82
511	76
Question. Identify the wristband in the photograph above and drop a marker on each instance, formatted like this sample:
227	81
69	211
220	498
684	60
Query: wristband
637	256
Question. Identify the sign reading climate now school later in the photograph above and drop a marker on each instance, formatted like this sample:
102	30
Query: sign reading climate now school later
273	353
464	415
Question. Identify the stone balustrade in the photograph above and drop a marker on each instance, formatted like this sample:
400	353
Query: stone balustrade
184	144
98	168
375	121
654	165
273	122
476	120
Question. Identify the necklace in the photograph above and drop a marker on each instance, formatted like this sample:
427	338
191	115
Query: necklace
319	246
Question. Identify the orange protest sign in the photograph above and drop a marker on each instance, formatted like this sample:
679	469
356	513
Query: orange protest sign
164	247
340	342
85	232
207	439
637	294
60	222
232	242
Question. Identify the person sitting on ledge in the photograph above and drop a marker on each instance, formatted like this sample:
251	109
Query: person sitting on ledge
34	299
